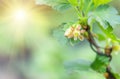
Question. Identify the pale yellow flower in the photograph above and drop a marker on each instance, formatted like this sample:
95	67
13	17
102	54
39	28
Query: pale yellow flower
69	32
76	34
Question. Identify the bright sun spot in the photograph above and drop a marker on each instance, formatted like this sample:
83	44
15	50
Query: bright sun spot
19	19
20	15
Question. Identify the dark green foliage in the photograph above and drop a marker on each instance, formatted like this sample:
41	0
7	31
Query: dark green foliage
100	63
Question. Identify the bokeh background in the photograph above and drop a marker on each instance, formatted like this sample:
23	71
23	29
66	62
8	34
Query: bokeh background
35	47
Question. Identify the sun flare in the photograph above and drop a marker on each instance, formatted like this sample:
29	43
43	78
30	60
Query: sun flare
20	15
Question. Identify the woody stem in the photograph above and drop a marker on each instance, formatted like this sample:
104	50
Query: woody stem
96	48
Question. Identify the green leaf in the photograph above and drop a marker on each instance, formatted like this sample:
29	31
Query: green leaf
101	37
59	5
101	2
109	28
58	34
88	74
78	69
109	33
104	15
117	76
67	25
62	6
74	42
77	65
100	63
73	2
115	64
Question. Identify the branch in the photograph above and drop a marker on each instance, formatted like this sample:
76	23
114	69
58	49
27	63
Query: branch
92	41
99	52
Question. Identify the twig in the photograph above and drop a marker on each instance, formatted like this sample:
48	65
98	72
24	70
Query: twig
99	52
92	40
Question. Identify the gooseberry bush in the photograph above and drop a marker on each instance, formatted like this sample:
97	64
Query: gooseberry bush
95	22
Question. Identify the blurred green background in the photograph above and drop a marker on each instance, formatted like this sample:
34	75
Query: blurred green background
36	48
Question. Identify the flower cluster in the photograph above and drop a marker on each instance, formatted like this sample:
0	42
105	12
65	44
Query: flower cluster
76	32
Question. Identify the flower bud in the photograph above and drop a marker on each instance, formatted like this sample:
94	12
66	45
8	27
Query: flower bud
82	31
81	38
85	27
69	32
78	27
